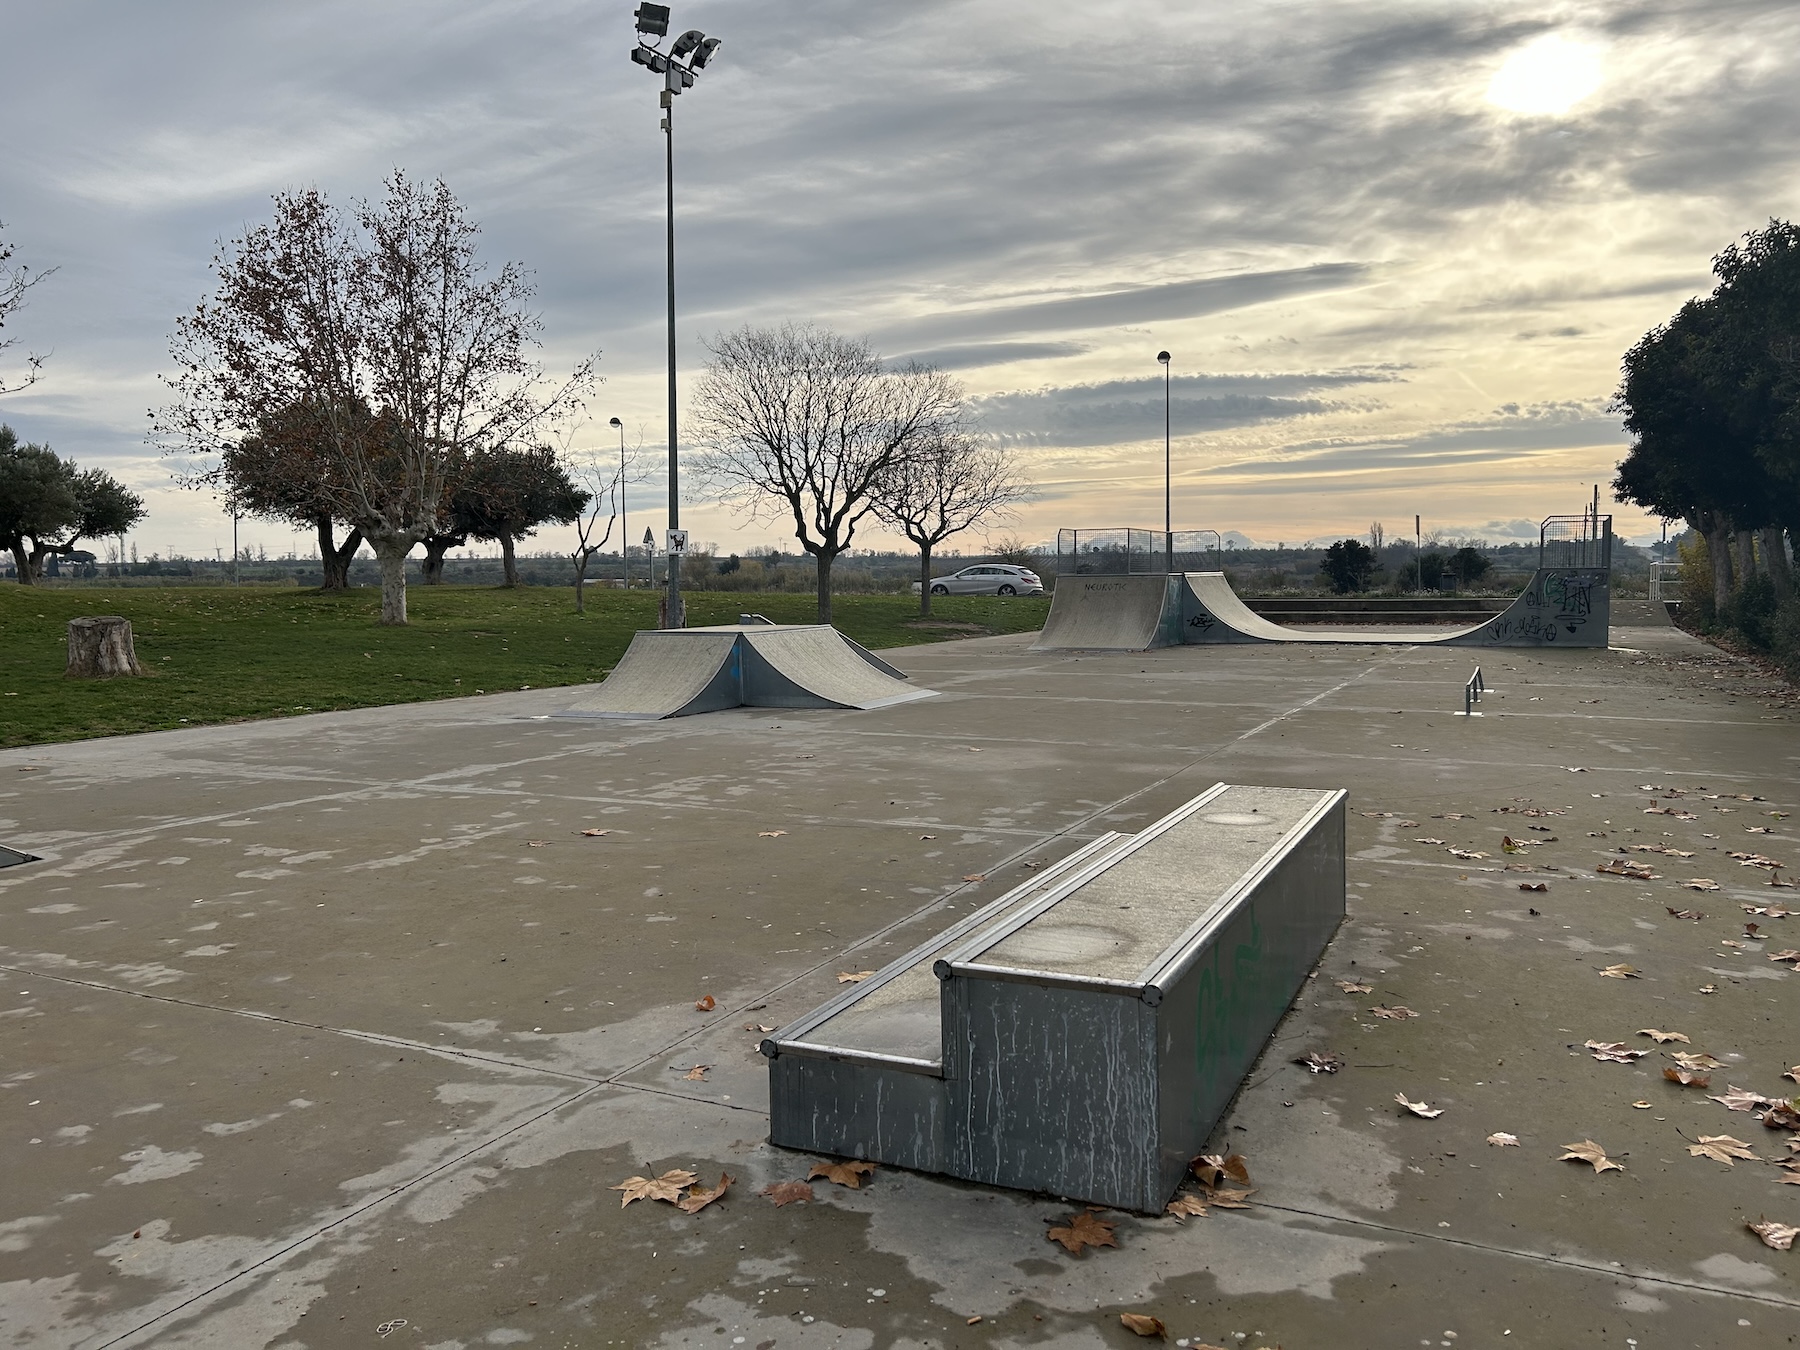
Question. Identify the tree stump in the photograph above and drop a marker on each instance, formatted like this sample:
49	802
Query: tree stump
100	647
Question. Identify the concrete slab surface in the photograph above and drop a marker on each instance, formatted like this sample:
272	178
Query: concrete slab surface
337	1031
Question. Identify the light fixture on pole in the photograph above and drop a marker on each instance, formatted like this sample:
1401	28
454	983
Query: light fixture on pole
624	521
686	57
1168	509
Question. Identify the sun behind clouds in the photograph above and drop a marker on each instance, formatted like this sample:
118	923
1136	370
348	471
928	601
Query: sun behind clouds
1548	76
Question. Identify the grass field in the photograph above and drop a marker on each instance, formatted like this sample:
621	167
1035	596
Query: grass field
219	654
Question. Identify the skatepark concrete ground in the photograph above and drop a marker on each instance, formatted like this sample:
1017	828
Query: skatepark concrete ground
336	1031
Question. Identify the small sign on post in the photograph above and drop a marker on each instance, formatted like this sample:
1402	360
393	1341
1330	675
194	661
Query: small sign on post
649	539
677	541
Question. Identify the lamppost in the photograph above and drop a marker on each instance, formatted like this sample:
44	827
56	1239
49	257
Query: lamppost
624	532
678	66
1168	510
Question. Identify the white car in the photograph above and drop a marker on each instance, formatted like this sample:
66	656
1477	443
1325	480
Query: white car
988	579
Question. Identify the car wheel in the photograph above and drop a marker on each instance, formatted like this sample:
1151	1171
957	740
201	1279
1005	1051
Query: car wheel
1009	590
940	589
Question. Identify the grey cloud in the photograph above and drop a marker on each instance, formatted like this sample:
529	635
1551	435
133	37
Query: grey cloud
975	355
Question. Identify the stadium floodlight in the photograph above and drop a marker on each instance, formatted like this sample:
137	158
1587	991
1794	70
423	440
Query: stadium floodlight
652	20
701	57
686	43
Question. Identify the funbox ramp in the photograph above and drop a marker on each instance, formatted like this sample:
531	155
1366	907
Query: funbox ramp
1561	607
1082	1034
678	672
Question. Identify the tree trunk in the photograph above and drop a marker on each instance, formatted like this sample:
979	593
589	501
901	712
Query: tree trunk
392	555
334	562
100	648
1775	559
580	558
431	570
924	581
23	562
825	560
509	564
34	562
1718	549
1744	543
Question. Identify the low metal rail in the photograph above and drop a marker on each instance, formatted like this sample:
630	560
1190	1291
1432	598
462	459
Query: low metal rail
1472	692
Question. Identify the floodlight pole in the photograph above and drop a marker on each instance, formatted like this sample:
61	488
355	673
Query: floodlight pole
1168	508
624	520
677	614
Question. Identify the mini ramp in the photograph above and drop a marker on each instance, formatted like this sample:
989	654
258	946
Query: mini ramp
1562	607
680	672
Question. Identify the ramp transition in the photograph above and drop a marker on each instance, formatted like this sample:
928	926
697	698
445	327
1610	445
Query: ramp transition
1561	607
680	672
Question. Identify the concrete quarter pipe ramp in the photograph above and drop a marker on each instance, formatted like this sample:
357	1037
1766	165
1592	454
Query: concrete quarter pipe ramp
1561	607
680	672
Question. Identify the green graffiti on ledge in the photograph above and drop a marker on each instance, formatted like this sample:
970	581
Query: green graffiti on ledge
1233	1003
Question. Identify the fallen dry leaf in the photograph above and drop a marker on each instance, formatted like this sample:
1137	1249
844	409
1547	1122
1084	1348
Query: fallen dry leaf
1466	854
853	976
1397	1013
1213	1168
699	1198
1423	1109
1186	1206
1781	1116
537	843
1709	988
976	876
1690	1060
1737	1099
1640	1105
1621	972
1722	1148
849	1174
1780	1236
1320	1062
1533	886
786	1192
697	1074
1788	957
1693	914
1793	1073
1664	1037
1688	1078
1083	1230
757	1026
1352	987
771	834
1143	1324
1229	1199
1588	1151
1615	1052
1501	1139
706	1004
594	834
1701	884
668	1186
928	836
1618	867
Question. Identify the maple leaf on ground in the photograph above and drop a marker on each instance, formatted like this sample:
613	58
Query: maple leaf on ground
1225	1198
1621	972
1737	1099
1510	845
1688	1078
1793	1073
771	834
1423	840
1533	886
853	976
699	1197
1788	957
697	1074
757	1026
1615	1052
1422	1109
1213	1168
1722	1148
1780	1236
1701	884
1588	1151
1781	1116
786	1192
1397	1013
1664	1037
1501	1139
1467	854
594	834
1186	1206
843	1174
1143	1324
1083	1230
1693	914
1694	1061
1317	1062
668	1186
976	876
706	1004
1353	987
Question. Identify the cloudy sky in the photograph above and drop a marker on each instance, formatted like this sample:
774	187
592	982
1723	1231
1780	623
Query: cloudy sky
1397	247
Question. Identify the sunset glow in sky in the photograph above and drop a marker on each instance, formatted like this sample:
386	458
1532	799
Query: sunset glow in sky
1397	247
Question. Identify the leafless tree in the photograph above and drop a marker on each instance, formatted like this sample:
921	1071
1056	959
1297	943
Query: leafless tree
404	354
1377	533
15	280
803	423
603	479
948	485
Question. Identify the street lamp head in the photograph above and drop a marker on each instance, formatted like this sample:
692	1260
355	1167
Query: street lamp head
614	422
704	55
686	43
652	20
1163	357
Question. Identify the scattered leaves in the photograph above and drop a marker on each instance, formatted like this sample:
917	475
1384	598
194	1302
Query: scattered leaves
1780	1236
1664	1037
706	1004
1688	1078
1618	867
668	1186
1621	971
1421	1109
1397	1013
786	1192
1083	1230
699	1197
849	1174
1615	1052
1143	1324
1315	1061
1355	987
1212	1169
1501	1139
1588	1151
1722	1148
853	976
1185	1206
1229	1199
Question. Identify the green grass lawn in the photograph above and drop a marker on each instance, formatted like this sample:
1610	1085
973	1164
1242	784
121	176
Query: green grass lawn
221	654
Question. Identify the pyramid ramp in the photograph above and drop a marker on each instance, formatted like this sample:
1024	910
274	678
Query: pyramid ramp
1115	612
668	673
817	667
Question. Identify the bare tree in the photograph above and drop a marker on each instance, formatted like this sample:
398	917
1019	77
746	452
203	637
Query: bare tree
943	488
1377	533
15	280
804	423
603	481
402	353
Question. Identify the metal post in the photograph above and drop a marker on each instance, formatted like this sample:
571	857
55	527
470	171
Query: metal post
1168	510
624	520
677	616
234	544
